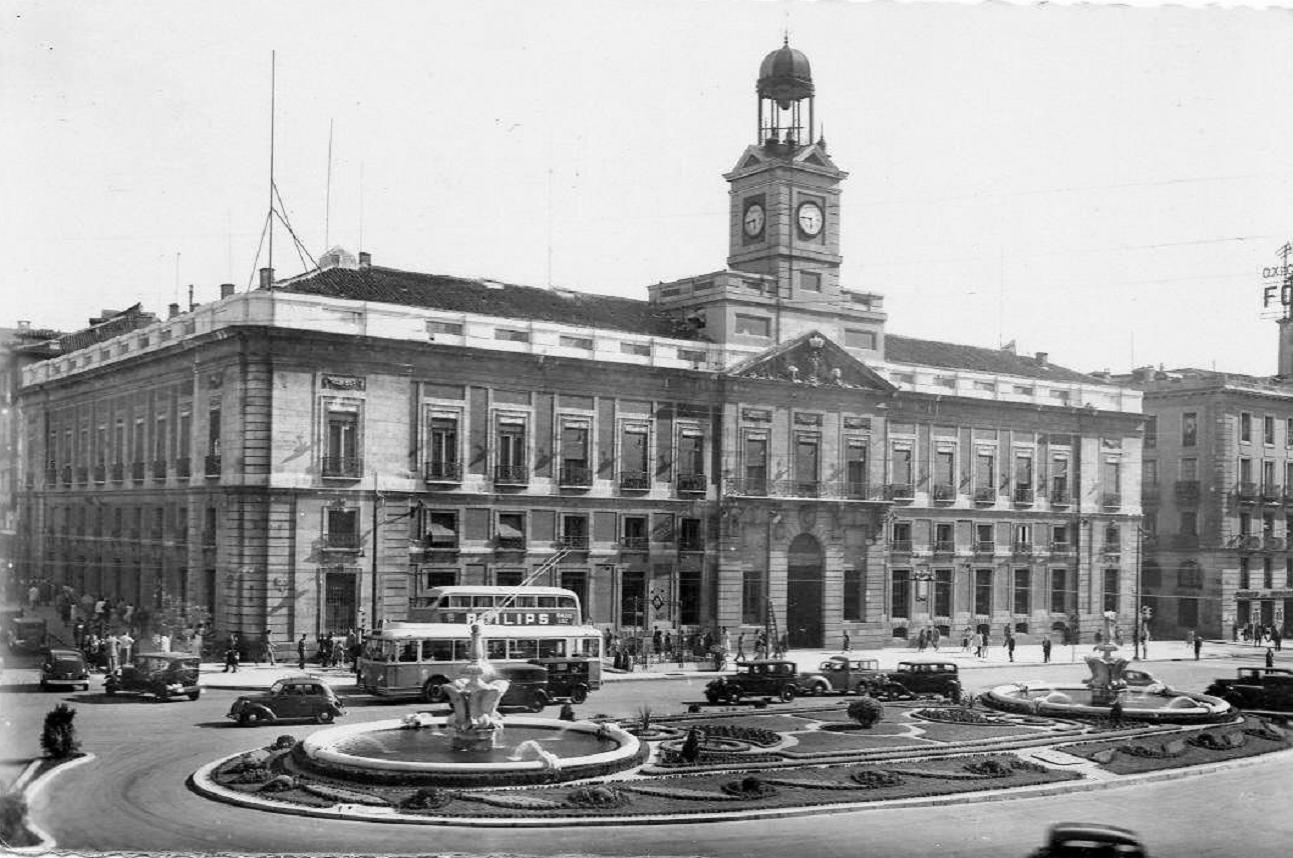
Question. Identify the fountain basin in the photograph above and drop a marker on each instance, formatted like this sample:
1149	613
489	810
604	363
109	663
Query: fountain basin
1163	707
392	753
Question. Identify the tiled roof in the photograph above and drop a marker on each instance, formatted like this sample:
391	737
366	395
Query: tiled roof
996	361
463	295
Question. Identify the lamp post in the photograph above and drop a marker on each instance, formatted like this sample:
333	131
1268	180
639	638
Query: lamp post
1136	644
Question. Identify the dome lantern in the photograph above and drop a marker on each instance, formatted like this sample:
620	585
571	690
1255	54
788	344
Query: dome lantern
785	81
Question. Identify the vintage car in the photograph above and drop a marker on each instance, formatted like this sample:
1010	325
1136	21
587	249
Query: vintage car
527	687
843	675
568	678
1090	840
64	667
916	679
289	699
1265	688
764	678
27	635
162	674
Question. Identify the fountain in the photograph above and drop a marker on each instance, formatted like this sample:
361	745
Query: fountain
1107	687
474	746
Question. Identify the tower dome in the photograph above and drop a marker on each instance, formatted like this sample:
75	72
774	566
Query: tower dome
785	76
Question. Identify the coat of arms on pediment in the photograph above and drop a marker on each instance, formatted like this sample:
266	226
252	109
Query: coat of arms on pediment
814	361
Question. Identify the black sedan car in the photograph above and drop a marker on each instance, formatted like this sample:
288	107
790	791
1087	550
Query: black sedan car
64	668
1260	688
293	698
162	674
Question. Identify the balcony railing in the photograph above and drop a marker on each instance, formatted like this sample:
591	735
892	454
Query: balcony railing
345	541
1061	548
212	465
856	490
985	496
1023	496
575	476
635	481
985	548
1061	497
137	470
159	469
901	546
691	483
440	543
1187	491
183	468
1272	494
1111	501
899	492
808	489
509	543
691	544
635	543
1111	552
573	543
443	472
749	487
51	476
945	546
944	493
1022	547
1246	491
343	467
100	474
512	475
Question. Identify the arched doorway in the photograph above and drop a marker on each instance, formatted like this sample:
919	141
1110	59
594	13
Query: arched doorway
804	592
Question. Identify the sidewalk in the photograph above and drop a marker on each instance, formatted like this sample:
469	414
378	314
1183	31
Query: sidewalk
259	676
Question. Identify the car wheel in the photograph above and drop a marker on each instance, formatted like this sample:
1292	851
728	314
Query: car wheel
538	702
248	719
194	695
787	693
578	694
432	691
714	699
323	716
109	690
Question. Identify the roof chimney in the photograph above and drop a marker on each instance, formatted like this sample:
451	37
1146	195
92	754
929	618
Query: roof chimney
365	260
1042	358
174	310
226	289
267	278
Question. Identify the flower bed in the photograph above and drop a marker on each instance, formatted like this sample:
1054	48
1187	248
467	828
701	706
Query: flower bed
1153	753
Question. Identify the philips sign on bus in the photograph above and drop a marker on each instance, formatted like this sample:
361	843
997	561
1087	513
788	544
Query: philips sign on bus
509	618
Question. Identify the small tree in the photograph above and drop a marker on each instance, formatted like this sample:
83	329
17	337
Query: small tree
866	711
59	736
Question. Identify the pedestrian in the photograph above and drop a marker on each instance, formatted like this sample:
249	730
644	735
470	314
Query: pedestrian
983	642
125	642
114	652
657	640
231	654
33	595
922	640
740	647
339	652
1270	657
1046	649
300	652
1198	645
267	647
848	645
1277	638
935	637
1234	632
668	642
1010	647
965	640
783	644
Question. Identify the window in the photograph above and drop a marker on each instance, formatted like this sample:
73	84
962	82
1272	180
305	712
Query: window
900	594
1268	431
691	459
985	540
856	339
1112	539
902	536
853	590
1190	575
341	440
1059	599
1023	591
902	465
1059	479
510	530
342	528
581	343
1151	576
1189	429
510	466
1149	472
944	474
944	537
634	457
1268	573
1151	432
948	381
511	335
1245	472
689	596
691	534
1111	478
1189	523
1268	476
1060	537
574	532
1288	572
633	529
810	281
985	486
983	592
440	529
855	467
691	355
942	592
1023	537
756	464
1023	477
754	326
752	596
435	327
636	349
807	464
1245	428
1288	432
213	440
442	457
1021	390
1189	470
1111	581
160	439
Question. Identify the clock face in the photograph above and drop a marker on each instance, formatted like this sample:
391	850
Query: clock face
753	222
810	219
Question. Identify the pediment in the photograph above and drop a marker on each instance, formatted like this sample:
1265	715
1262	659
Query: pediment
812	360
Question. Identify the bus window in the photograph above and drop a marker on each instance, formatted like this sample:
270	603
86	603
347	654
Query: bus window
461	650
497	649
437	650
482	602
547	601
552	648
389	648
526	601
409	651
588	646
459	601
565	602
522	648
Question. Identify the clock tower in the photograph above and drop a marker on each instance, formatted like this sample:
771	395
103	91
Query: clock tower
785	189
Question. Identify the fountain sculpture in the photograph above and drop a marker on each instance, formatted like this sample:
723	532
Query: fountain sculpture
1106	671
474	697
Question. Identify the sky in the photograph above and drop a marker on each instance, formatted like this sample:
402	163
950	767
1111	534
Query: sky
1105	184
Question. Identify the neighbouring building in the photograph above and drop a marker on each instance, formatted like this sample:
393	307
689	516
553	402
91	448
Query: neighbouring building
744	448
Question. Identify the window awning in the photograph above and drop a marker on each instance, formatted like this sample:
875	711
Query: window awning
506	531
439	531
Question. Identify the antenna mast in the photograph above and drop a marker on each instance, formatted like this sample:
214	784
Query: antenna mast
327	199
273	67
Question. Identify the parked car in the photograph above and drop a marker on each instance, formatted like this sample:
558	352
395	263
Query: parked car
1090	840
162	674
1269	688
527	688
27	635
568	678
289	699
763	678
843	675
64	667
917	678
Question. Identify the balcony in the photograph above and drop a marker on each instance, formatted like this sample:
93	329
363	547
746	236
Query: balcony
573	543
183	468
944	493
345	541
1187	492
100	474
1061	548
900	546
1023	496
985	497
575	477
118	472
443	472
511	475
945	546
137	470
899	492
856	490
635	481
1150	495
692	483
1061	498
159	469
1022	547
988	548
691	544
1111	501
1273	495
509	543
807	489
342	467
634	543
1246	491
749	487
212	465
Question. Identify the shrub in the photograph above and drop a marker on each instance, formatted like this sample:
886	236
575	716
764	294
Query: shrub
875	778
596	795
427	798
644	718
866	711
989	769
59	736
13	819
283	743
749	787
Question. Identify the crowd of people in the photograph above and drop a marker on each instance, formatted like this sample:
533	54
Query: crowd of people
1258	635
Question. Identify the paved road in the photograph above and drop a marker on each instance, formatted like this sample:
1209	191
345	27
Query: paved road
131	796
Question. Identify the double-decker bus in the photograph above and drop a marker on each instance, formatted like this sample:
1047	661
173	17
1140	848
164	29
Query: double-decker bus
520	624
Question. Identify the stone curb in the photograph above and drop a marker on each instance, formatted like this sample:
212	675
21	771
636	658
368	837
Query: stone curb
201	783
29	792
